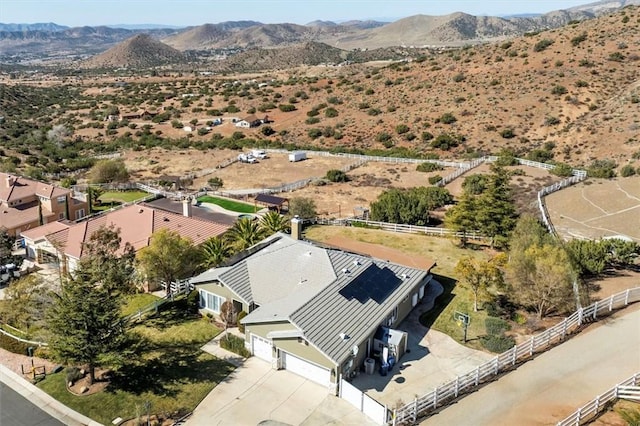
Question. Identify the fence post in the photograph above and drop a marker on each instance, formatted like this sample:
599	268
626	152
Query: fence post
514	355
496	368
595	310
598	400
564	328
435	400
626	298
580	316
457	388
610	303
477	375
531	346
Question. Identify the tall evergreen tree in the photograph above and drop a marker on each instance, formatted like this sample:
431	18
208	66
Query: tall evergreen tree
85	322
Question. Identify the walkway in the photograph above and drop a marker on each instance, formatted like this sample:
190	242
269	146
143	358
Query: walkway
553	385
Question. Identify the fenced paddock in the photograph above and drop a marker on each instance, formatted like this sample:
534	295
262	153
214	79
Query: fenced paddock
448	392
597	209
627	389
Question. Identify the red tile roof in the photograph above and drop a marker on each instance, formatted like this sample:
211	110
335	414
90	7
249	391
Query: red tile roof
136	223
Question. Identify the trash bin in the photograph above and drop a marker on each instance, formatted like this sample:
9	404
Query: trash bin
384	368
30	350
391	361
369	366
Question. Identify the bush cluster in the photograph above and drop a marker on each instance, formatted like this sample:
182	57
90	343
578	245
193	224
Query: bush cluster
234	344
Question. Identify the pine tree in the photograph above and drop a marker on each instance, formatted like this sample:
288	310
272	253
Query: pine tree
85	322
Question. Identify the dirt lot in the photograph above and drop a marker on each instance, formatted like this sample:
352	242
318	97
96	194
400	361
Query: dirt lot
332	199
597	208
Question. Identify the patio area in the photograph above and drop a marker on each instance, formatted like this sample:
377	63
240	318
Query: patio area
431	358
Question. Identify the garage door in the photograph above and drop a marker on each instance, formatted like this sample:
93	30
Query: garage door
261	348
306	369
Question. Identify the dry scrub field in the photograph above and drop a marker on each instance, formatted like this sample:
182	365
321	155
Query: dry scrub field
597	208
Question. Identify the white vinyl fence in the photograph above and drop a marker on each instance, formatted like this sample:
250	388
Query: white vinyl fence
364	403
446	393
627	389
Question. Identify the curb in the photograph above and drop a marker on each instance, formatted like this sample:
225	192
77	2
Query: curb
43	400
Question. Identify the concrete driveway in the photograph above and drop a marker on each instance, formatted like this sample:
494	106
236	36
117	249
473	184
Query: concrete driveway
257	394
433	358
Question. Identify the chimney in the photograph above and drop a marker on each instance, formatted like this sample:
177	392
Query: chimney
186	207
296	227
10	181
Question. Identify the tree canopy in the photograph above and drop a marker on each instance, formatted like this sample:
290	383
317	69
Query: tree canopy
168	257
303	207
107	171
409	206
492	213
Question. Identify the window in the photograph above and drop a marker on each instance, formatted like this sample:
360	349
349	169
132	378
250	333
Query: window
62	199
60	216
79	214
210	301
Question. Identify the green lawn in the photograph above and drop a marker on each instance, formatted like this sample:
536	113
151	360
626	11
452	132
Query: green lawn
122	196
165	367
134	302
232	205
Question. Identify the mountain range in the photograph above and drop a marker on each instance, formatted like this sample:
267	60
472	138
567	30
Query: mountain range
20	42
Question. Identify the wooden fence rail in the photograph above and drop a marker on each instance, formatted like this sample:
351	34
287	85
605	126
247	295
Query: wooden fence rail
448	392
585	414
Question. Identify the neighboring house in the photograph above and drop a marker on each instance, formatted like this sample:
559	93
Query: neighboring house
26	204
136	223
315	311
248	122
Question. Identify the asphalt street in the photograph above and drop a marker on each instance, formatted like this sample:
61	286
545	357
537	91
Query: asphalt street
16	410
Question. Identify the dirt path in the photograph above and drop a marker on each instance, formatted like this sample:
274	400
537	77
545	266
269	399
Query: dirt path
15	361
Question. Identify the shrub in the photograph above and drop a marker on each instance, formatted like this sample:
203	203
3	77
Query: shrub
286	107
402	128
434	179
506	158
312	120
458	78
13	345
73	374
540	155
429	167
495	326
337	176
542	45
241	315
507	133
426	136
627	171
578	39
314	133
448	118
331	112
616	57
558	90
234	344
446	141
604	169
562	170
383	137
498	344
551	121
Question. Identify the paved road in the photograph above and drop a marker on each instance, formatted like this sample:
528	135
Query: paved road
16	410
556	383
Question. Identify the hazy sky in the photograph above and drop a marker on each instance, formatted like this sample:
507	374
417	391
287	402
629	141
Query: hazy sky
197	12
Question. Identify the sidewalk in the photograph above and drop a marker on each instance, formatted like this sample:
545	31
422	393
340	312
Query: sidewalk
43	400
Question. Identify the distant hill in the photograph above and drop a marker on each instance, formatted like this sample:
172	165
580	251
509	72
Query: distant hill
48	26
36	41
310	53
140	51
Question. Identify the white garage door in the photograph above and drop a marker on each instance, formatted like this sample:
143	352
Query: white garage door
261	348
306	369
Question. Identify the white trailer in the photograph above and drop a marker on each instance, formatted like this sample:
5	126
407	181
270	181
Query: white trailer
297	156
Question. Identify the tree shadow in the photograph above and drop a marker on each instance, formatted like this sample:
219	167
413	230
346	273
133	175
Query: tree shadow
161	369
442	301
171	314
